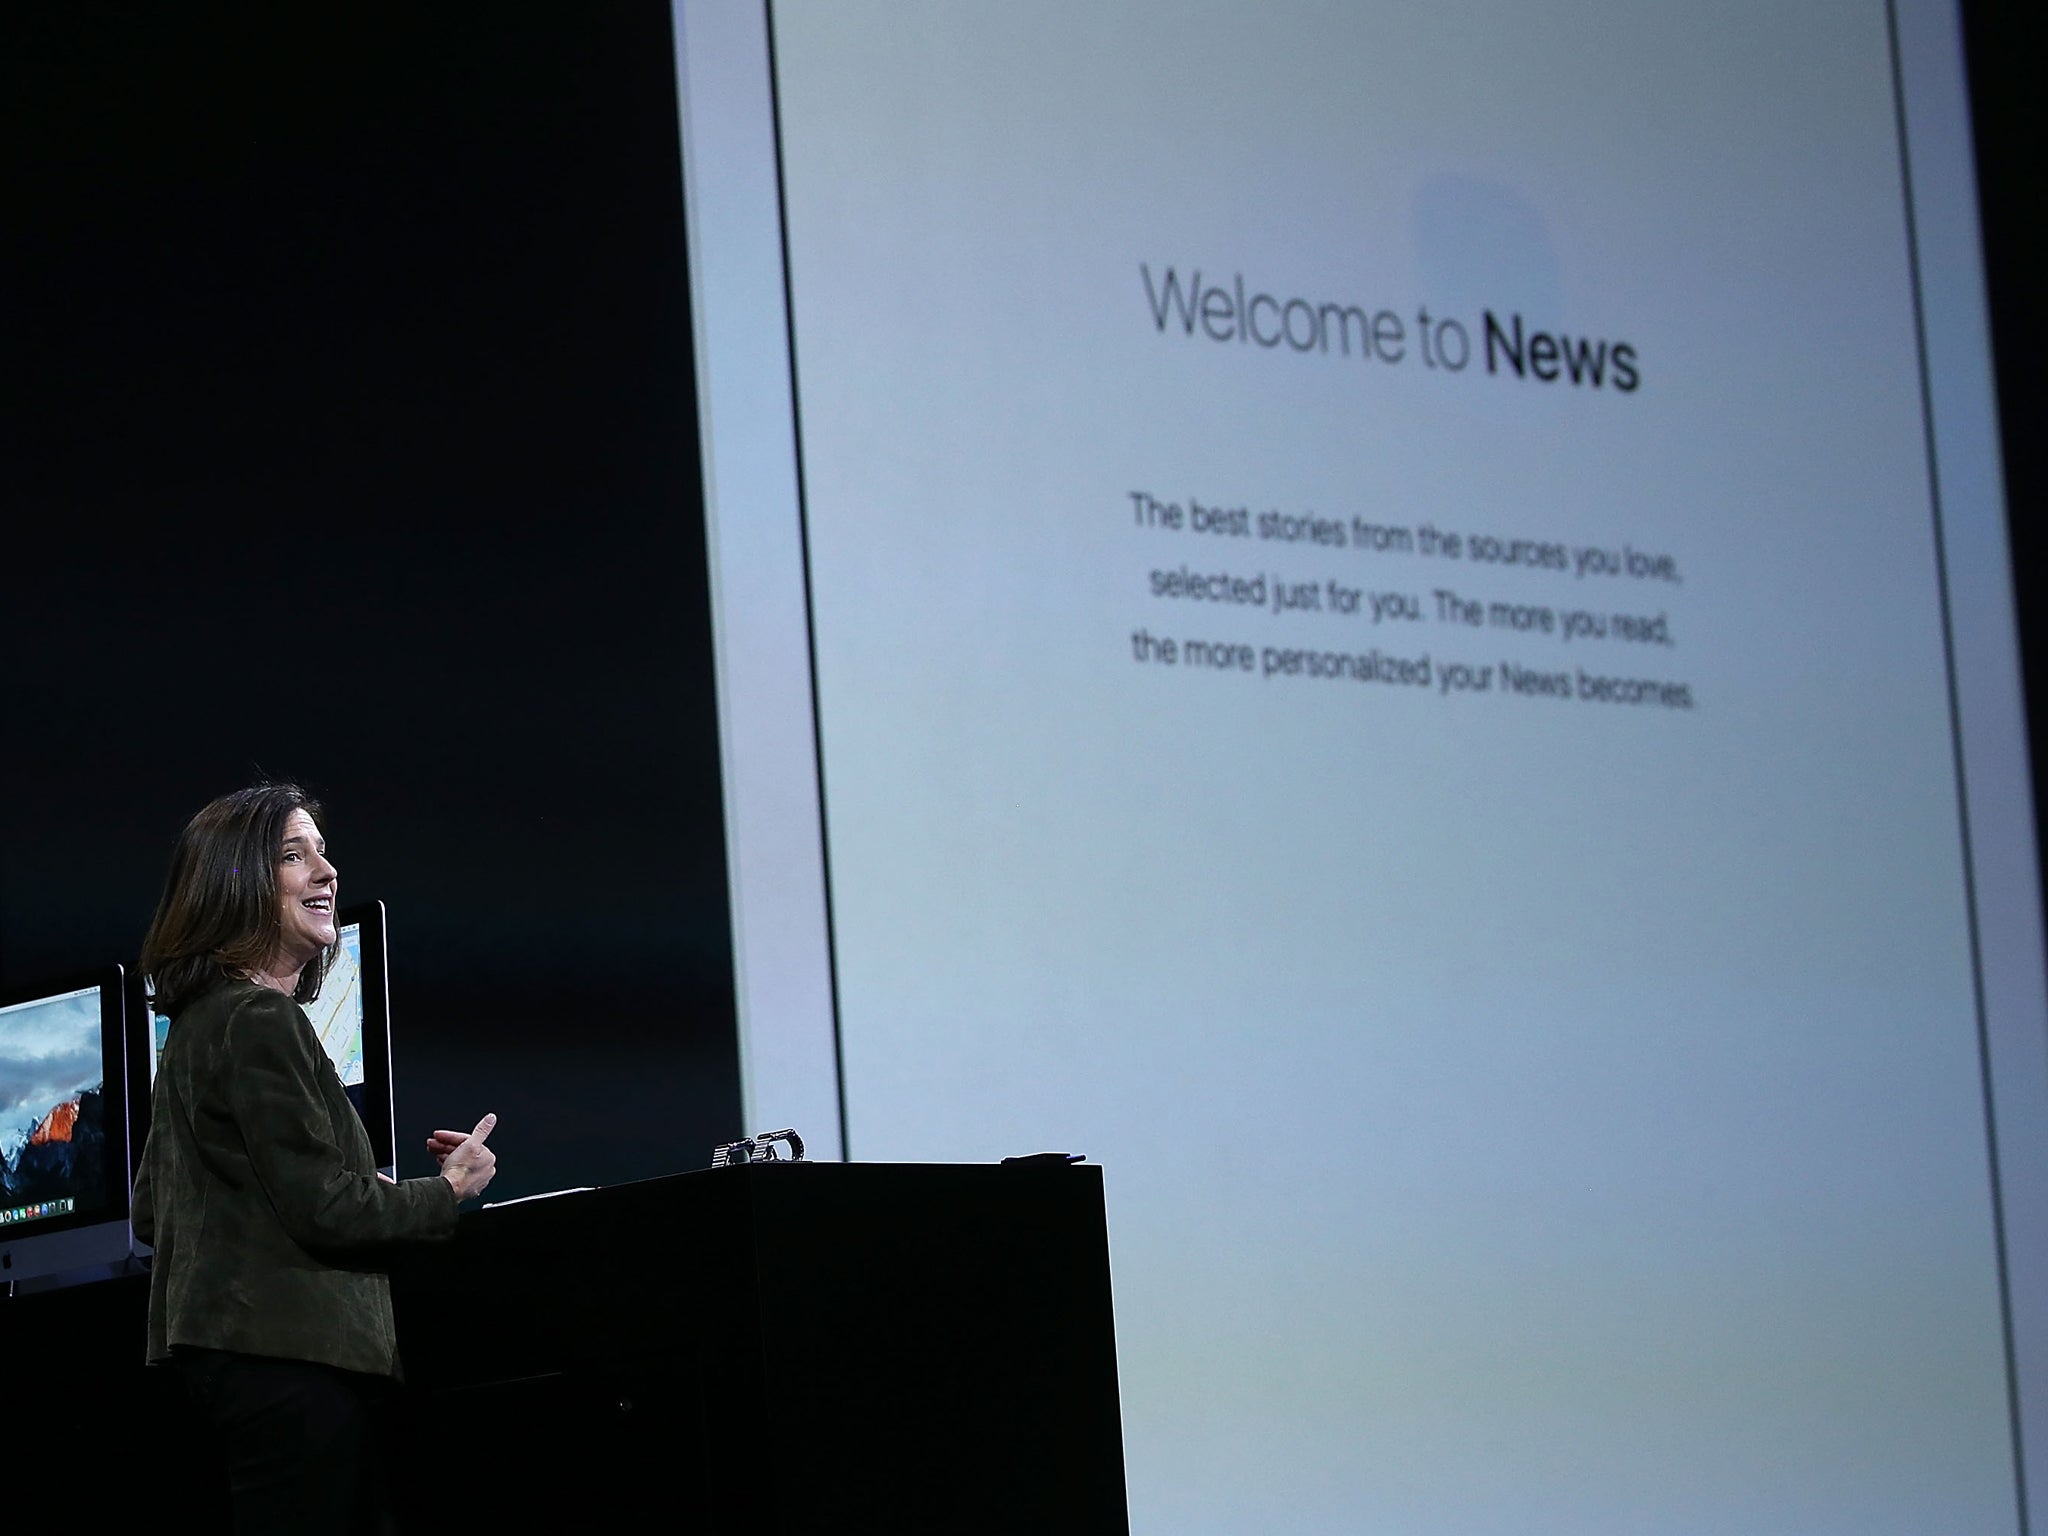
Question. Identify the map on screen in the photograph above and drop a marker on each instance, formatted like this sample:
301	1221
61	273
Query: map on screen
336	1012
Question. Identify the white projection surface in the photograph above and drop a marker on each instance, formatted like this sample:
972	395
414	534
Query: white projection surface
1393	620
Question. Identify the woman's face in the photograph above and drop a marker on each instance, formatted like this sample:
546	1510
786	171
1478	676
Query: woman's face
306	885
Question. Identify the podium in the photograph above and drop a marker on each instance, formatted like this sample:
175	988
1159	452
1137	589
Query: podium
795	1346
804	1347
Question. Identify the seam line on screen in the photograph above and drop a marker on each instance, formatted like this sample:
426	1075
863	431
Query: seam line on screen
1955	724
803	524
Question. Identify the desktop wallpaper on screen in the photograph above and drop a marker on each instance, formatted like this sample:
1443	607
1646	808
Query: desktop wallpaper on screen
52	1108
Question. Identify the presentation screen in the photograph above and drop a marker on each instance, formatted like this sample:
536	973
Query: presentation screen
1394	622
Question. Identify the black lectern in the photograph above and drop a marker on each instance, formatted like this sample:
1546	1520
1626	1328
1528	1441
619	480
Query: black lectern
794	1346
808	1347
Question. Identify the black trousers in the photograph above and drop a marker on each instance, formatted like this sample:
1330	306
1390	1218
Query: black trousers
300	1442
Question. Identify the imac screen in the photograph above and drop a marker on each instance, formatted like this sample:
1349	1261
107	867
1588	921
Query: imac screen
349	1010
63	1131
53	1127
336	1014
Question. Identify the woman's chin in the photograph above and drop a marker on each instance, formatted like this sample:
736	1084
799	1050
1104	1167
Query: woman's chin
308	943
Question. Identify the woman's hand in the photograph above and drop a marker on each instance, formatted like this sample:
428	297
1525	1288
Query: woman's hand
466	1163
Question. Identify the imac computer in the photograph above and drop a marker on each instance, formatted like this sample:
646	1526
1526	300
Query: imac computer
64	1164
352	1017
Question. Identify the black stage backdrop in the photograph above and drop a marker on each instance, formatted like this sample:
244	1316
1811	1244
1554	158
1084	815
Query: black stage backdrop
2008	70
354	441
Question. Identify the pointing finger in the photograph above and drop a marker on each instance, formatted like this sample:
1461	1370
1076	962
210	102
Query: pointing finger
484	1127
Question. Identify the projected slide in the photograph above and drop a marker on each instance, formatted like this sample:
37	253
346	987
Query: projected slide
1381	670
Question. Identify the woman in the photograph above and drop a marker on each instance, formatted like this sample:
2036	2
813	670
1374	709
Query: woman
258	1186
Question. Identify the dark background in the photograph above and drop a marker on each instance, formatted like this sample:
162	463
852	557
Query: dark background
355	442
352	439
2008	79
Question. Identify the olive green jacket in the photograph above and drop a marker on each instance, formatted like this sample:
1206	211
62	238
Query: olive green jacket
259	1191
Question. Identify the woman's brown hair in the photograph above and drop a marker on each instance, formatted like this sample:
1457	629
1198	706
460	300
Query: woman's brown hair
218	917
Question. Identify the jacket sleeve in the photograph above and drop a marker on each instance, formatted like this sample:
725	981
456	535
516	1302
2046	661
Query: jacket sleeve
274	1091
